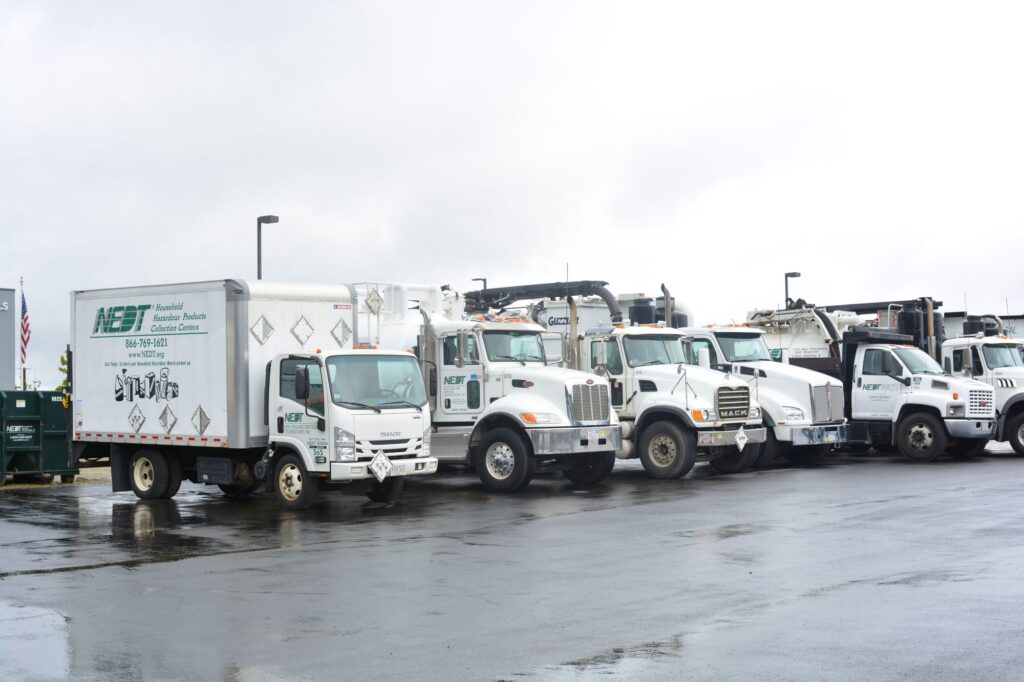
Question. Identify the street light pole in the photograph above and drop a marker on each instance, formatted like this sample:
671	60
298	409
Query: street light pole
788	275
268	219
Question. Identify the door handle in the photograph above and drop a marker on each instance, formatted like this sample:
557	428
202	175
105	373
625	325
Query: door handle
858	382
280	424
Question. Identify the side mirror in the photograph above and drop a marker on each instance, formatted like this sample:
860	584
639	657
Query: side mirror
947	365
784	356
463	345
553	341
704	358
433	381
321	424
904	380
301	383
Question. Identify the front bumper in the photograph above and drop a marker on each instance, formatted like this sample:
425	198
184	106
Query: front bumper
572	440
971	428
357	471
727	437
827	434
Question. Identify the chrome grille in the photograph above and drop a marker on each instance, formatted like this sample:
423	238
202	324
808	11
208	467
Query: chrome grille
590	403
394	449
827	403
981	404
732	403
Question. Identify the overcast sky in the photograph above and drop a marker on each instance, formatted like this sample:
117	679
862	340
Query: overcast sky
878	148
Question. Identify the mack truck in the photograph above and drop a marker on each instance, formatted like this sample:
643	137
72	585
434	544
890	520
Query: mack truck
672	413
803	410
999	362
498	403
245	385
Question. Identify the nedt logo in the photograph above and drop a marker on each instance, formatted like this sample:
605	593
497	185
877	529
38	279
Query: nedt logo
119	319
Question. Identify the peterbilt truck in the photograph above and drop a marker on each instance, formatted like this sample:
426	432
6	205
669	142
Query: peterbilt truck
498	403
244	385
999	362
802	409
672	413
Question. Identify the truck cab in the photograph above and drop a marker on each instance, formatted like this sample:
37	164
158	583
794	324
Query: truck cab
803	409
898	396
499	407
999	362
672	412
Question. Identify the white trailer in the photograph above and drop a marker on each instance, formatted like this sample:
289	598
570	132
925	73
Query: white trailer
242	384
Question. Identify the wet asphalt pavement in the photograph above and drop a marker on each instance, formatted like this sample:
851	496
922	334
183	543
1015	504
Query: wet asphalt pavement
869	568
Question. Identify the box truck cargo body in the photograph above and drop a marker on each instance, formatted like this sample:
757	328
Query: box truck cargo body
224	378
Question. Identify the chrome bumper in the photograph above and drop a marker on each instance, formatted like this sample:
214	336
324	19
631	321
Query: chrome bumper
568	441
727	438
971	428
832	434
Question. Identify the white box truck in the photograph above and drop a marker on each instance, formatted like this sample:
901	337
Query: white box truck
244	385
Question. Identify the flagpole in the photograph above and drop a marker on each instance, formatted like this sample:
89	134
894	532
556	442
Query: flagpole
24	383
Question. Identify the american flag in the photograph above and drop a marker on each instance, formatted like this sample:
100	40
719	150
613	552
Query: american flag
26	328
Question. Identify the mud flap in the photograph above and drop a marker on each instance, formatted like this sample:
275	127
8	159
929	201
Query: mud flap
119	460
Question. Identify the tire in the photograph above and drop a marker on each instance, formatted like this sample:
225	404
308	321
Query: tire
591	469
968	449
667	451
176	474
1015	433
733	461
67	478
148	474
921	437
769	450
294	487
387	491
808	455
502	461
238	490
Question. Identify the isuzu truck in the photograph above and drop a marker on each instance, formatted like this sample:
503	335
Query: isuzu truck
243	385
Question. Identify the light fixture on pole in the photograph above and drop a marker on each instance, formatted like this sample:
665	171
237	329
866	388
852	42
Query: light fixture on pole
788	275
263	219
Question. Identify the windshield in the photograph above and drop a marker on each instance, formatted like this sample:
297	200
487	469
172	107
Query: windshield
1002	355
514	345
653	349
743	347
380	381
918	362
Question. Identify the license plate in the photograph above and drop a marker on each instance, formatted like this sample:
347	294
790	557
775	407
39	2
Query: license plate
380	466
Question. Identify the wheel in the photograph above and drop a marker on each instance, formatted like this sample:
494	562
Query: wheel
807	455
502	461
967	449
921	437
67	478
667	451
148	474
769	451
174	482
239	490
1015	433
591	469
295	488
729	460
388	490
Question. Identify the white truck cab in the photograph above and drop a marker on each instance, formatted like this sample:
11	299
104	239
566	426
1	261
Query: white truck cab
899	396
999	362
803	409
672	413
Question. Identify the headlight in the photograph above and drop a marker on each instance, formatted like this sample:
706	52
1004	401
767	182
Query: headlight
540	418
955	411
793	414
755	412
703	415
425	448
344	446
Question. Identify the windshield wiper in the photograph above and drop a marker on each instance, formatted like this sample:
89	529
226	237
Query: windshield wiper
351	403
509	357
650	362
402	402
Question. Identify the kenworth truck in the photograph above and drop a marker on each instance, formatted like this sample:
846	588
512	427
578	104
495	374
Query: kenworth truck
496	404
243	385
803	410
999	362
671	412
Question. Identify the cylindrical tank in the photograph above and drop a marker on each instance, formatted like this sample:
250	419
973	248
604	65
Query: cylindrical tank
641	311
973	324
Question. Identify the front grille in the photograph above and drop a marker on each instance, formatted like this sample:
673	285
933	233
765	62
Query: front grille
394	449
733	403
827	403
981	404
590	403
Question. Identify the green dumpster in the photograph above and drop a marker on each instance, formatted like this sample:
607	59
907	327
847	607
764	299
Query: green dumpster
34	442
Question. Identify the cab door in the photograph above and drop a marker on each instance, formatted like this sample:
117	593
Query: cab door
621	383
459	389
877	388
300	419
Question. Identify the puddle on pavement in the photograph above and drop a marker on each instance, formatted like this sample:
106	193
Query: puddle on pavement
630	662
33	643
